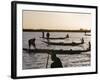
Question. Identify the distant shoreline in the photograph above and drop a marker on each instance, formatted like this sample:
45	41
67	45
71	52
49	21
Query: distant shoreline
46	30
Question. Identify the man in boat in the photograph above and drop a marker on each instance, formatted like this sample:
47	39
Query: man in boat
89	45
42	34
67	36
56	61
32	42
48	35
82	40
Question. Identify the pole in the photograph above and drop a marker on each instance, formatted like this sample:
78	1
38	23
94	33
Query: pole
47	61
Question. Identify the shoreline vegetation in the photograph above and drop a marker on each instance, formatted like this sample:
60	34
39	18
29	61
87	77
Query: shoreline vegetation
54	30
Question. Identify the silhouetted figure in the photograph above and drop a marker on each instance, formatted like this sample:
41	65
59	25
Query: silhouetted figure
82	40
42	34
71	51
32	42
48	35
56	61
89	45
67	36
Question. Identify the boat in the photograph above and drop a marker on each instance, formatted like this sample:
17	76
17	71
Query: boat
54	38
64	44
87	34
61	51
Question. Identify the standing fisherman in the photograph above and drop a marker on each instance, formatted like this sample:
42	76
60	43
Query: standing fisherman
42	34
82	40
31	42
89	45
67	36
48	36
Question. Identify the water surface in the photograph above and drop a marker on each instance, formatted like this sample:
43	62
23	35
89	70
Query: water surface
39	60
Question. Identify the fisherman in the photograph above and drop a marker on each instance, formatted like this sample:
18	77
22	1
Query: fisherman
42	34
67	36
48	35
89	45
32	42
56	61
82	40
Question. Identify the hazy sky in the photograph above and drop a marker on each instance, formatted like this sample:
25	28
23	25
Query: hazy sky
56	20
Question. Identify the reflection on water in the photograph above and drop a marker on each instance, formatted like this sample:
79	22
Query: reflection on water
39	60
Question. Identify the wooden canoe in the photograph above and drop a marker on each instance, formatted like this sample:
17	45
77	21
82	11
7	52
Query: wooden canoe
63	44
57	51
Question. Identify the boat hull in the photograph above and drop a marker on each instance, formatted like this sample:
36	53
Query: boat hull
63	44
55	51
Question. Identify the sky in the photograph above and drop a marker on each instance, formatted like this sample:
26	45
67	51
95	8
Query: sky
56	20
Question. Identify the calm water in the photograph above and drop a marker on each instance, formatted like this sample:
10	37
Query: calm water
39	60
